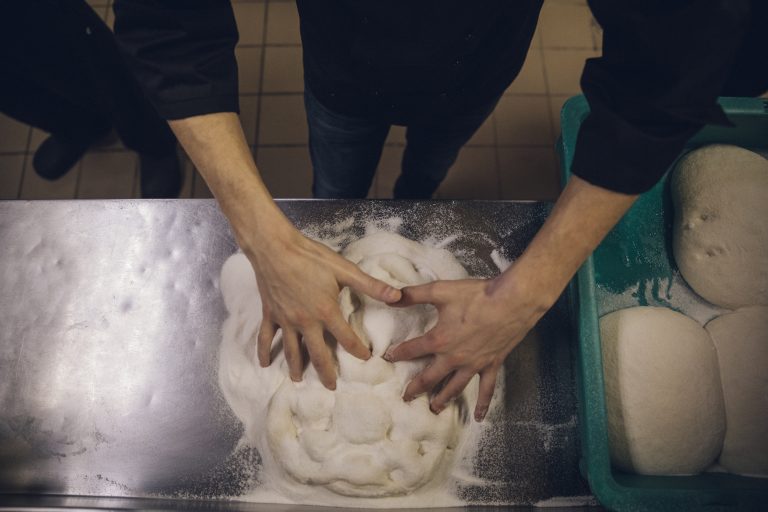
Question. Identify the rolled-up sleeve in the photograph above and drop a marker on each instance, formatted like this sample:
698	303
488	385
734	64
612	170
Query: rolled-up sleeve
182	53
656	84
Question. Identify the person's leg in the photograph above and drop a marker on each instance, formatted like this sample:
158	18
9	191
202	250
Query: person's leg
73	127
432	148
344	150
135	119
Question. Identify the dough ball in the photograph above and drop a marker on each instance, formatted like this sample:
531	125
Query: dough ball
663	394
741	339
363	440
720	239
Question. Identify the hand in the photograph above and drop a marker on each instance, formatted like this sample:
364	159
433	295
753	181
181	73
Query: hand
479	324
299	282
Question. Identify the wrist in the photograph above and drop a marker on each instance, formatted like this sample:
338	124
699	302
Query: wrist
257	222
265	230
539	286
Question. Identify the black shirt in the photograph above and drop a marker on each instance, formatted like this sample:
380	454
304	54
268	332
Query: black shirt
664	63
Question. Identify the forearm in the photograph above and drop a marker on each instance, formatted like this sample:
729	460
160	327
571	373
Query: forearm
217	147
581	218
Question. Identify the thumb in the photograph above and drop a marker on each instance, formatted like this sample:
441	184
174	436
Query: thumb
374	288
421	294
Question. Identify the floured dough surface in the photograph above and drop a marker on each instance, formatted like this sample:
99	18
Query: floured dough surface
720	239
741	339
663	395
361	440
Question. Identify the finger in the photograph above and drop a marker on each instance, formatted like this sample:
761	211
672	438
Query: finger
450	391
347	338
293	357
430	293
267	331
320	355
485	392
411	349
426	380
363	283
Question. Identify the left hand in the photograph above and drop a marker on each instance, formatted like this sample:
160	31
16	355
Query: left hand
479	324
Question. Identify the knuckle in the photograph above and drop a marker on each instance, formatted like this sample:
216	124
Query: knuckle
437	342
453	360
326	310
420	381
299	318
434	340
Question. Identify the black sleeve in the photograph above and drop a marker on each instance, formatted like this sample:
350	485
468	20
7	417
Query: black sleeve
182	52
663	66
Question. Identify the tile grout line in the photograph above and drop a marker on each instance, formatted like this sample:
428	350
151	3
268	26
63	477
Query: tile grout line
496	156
136	184
78	169
553	140
269	45
549	97
262	62
23	174
24	163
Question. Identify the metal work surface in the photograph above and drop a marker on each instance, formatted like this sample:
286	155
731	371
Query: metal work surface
110	318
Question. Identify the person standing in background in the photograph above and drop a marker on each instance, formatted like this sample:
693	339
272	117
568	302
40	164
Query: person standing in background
437	66
63	73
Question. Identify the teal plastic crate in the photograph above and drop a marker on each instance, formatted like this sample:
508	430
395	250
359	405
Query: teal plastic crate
634	266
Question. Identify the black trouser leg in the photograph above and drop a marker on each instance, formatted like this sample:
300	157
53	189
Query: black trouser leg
39	106
135	119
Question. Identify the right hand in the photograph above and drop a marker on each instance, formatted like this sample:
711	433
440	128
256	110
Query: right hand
299	282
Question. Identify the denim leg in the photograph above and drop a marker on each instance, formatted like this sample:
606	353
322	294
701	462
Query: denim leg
431	150
345	151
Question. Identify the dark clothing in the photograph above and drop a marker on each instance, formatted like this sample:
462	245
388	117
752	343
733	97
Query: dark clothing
664	64
345	150
64	74
398	61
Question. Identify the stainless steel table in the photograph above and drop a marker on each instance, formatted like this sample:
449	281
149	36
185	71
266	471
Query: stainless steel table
109	328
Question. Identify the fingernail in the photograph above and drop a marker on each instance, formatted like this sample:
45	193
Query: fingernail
393	295
436	409
480	414
388	354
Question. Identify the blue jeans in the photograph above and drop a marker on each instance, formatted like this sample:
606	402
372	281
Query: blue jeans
345	151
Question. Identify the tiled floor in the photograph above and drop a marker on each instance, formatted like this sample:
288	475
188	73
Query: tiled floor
511	156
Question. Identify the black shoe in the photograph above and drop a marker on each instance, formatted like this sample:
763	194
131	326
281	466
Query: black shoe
160	176
55	157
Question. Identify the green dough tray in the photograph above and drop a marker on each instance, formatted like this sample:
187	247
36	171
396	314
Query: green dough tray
634	266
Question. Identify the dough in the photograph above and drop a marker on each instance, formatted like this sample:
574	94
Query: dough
720	238
741	339
361	440
663	395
